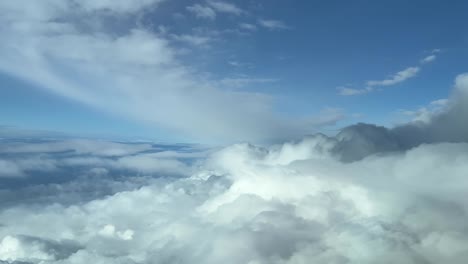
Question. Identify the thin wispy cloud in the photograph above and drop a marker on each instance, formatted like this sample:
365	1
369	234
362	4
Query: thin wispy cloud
272	24
247	26
245	81
346	91
139	69
226	7
428	59
195	40
394	79
201	11
398	77
209	9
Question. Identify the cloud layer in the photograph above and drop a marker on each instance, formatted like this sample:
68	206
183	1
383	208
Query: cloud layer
371	194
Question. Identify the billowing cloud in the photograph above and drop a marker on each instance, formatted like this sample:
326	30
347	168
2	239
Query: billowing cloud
425	113
369	194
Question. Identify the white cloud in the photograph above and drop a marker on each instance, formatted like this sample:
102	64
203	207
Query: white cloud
10	169
133	73
261	205
428	59
346	91
195	40
272	24
226	7
79	146
440	102
399	77
426	113
210	9
247	26
202	11
369	195
12	248
110	232
244	81
123	6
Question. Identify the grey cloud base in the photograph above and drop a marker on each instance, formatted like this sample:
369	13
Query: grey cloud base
368	195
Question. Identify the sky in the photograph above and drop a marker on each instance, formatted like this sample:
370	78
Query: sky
214	131
214	71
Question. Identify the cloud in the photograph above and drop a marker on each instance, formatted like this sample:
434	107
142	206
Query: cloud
369	194
9	169
210	9
31	248
431	57
7	132
134	72
120	6
195	40
247	26
225	7
346	91
272	24
245	81
428	59
399	77
425	114
202	11
441	122
78	146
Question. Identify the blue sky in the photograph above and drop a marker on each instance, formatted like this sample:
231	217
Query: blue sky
228	71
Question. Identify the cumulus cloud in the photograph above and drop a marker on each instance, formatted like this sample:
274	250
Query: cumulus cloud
425	113
369	194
